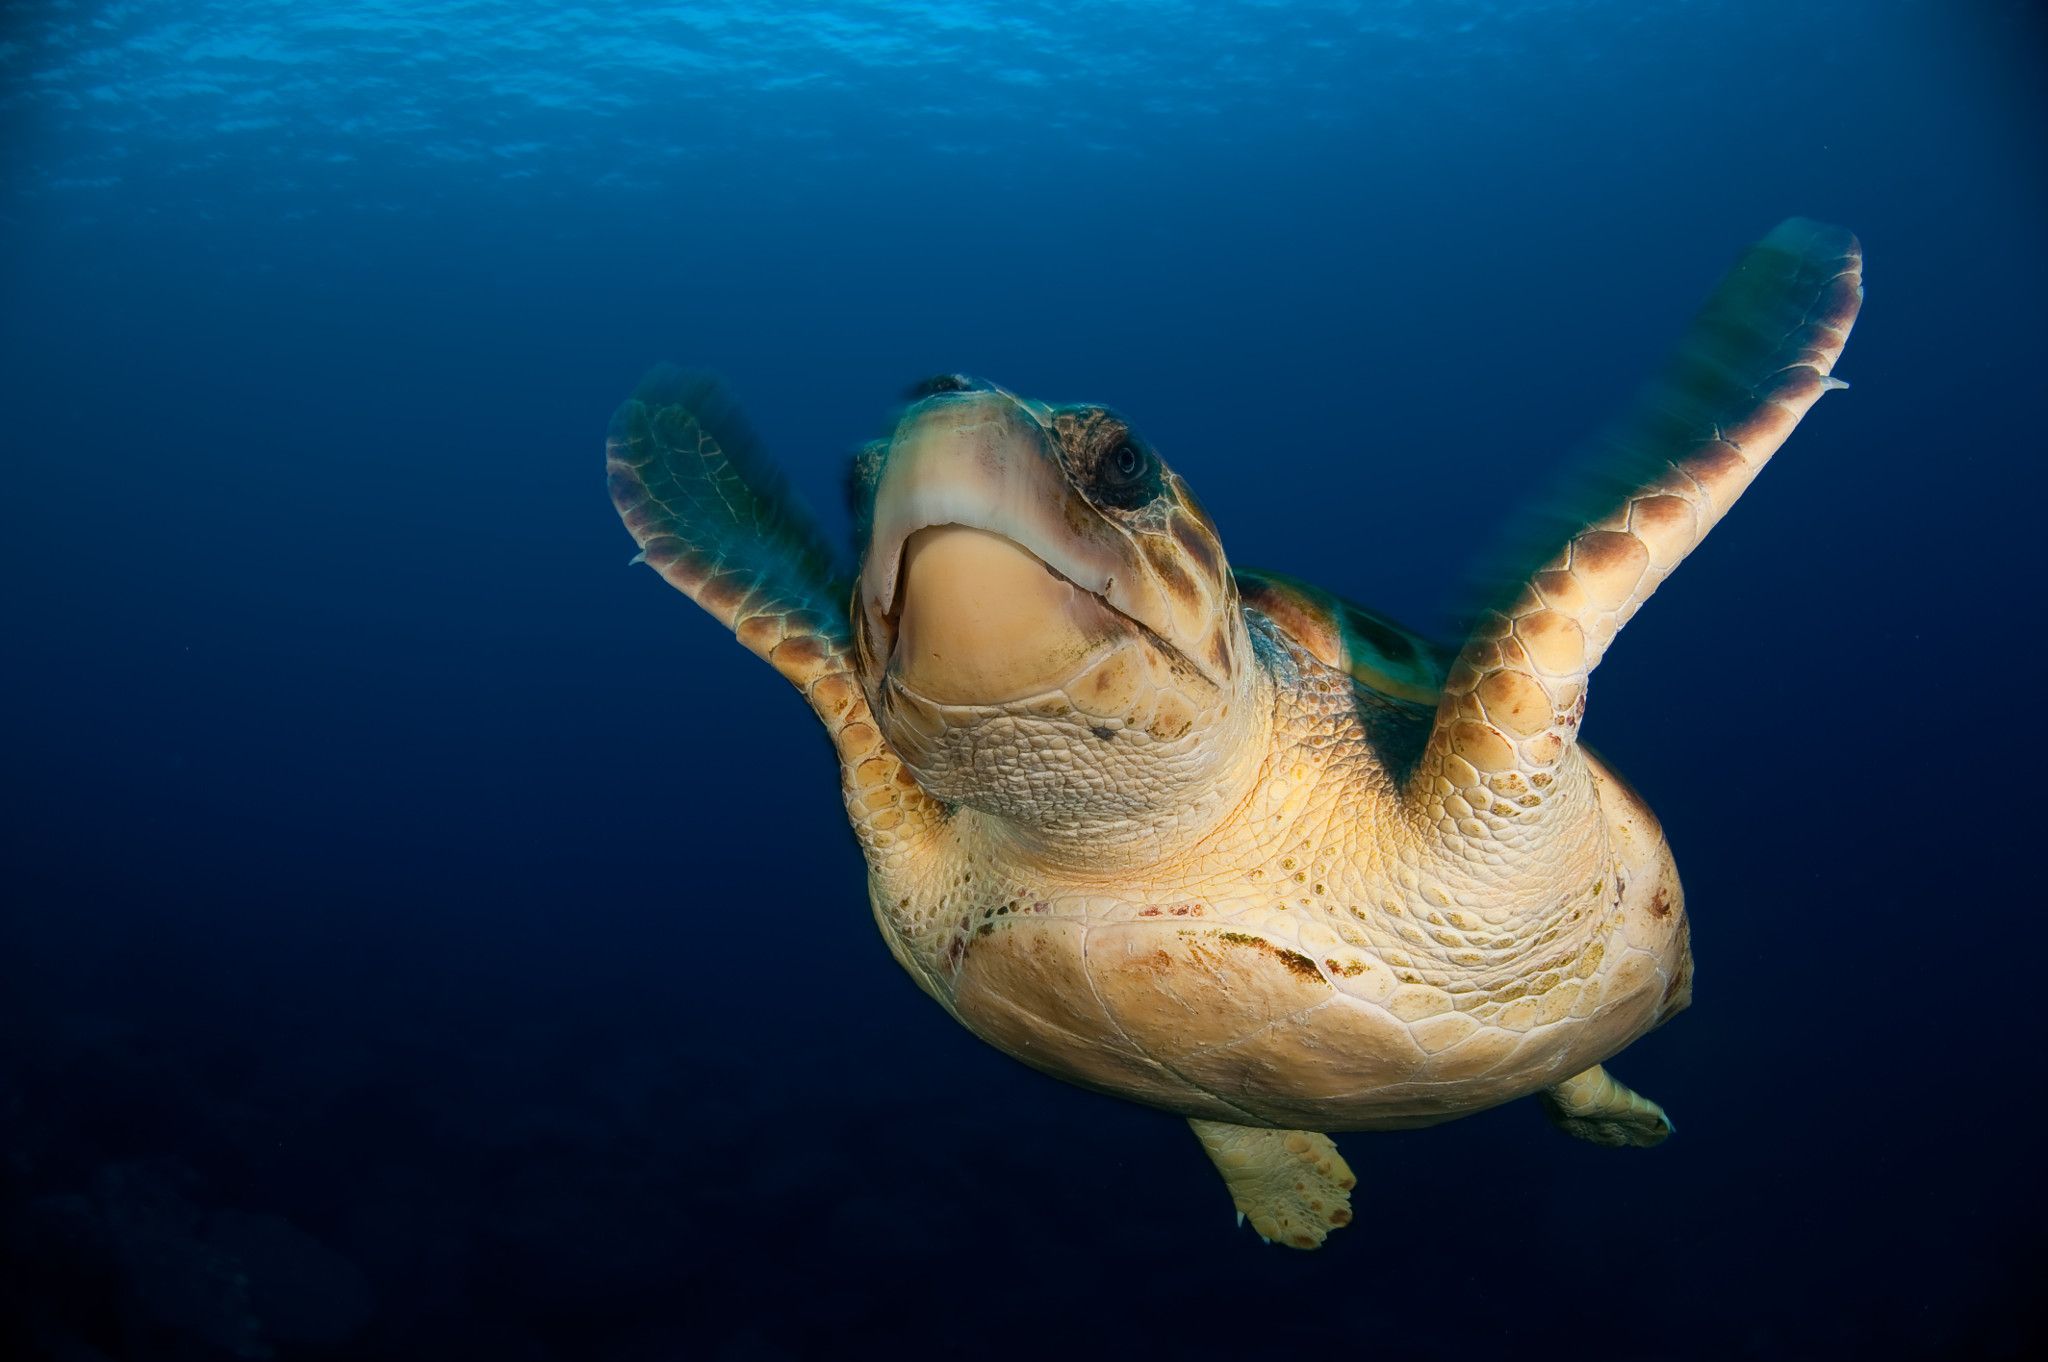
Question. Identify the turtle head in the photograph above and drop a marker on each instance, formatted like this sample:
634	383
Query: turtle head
1046	625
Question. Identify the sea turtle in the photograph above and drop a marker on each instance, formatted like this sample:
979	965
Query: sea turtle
1217	841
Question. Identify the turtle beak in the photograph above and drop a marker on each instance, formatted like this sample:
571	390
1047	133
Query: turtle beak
987	573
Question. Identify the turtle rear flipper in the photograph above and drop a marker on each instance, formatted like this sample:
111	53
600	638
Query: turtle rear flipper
1293	1185
1596	1106
1756	359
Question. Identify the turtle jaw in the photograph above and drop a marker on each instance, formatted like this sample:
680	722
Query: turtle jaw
979	619
981	543
1074	670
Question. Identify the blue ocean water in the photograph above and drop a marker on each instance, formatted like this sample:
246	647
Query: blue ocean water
425	937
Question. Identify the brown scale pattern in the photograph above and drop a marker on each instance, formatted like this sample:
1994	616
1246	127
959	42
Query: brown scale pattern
716	520
1755	361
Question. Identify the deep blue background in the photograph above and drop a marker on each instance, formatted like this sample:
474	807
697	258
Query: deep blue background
452	932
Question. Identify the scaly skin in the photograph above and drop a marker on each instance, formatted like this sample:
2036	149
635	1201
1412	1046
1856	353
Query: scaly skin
1756	361
1314	962
716	521
1229	846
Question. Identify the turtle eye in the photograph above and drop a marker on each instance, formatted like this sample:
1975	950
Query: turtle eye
1126	475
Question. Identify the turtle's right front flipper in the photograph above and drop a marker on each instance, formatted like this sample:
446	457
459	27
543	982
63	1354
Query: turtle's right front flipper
722	526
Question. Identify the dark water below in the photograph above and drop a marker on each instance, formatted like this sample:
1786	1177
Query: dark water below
425	938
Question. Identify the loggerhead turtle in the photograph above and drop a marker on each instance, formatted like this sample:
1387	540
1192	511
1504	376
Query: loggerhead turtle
1218	841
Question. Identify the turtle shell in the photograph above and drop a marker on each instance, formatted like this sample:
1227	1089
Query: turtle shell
1377	653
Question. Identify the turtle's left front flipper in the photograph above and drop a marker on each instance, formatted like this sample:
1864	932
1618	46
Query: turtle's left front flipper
1756	359
722	526
1292	1185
